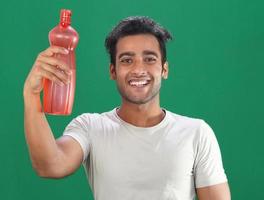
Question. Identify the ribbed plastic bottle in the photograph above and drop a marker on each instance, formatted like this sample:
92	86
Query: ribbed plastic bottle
57	99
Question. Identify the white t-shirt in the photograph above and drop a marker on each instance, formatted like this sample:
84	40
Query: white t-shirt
164	162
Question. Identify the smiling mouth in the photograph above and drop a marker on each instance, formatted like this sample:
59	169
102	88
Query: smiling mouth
138	83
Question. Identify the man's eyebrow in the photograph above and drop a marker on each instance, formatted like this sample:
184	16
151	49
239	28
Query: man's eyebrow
146	52
149	52
128	53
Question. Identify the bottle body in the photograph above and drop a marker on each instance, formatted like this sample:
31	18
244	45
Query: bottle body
59	99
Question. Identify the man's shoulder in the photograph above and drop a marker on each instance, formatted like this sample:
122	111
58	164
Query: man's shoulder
190	123
96	116
184	119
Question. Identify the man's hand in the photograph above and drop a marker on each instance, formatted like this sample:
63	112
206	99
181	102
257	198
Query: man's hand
49	67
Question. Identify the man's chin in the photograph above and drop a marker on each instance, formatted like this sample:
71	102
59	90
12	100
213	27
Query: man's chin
138	100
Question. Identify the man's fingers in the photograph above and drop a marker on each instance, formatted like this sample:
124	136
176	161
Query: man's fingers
52	73
55	62
49	67
54	50
52	77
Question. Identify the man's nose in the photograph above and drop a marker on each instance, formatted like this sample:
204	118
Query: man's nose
139	67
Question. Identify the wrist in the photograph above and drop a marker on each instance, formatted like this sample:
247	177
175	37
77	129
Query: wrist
31	99
29	93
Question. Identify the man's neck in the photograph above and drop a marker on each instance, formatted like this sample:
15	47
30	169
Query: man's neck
141	115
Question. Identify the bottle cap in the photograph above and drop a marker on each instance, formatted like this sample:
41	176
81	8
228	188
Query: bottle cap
65	17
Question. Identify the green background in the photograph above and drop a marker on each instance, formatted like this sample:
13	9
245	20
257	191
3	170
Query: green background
216	73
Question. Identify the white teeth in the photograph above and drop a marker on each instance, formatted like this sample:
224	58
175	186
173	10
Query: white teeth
138	83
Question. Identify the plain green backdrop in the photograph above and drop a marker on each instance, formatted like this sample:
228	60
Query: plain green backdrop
216	73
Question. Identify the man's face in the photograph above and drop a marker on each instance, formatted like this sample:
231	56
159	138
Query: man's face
138	71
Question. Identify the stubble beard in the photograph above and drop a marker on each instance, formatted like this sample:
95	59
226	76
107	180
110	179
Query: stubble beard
139	100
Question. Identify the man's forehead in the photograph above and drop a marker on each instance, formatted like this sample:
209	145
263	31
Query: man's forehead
138	37
138	44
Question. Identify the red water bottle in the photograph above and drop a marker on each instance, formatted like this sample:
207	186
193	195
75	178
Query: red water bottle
57	99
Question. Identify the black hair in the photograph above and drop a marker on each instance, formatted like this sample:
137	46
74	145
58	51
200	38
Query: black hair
137	25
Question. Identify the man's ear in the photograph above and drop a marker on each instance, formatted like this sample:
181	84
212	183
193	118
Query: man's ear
112	71
165	70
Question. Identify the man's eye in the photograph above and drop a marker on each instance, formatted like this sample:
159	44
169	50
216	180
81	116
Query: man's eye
150	59
126	60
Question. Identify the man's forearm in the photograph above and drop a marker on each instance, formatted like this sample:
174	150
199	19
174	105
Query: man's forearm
43	149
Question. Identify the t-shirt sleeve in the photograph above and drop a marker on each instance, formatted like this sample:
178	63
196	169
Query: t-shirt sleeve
78	130
208	167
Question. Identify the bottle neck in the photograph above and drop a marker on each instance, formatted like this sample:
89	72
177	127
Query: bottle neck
64	24
65	18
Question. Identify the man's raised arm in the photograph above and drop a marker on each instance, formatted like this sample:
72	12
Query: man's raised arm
50	157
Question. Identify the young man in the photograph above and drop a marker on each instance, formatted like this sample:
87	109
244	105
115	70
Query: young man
138	150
